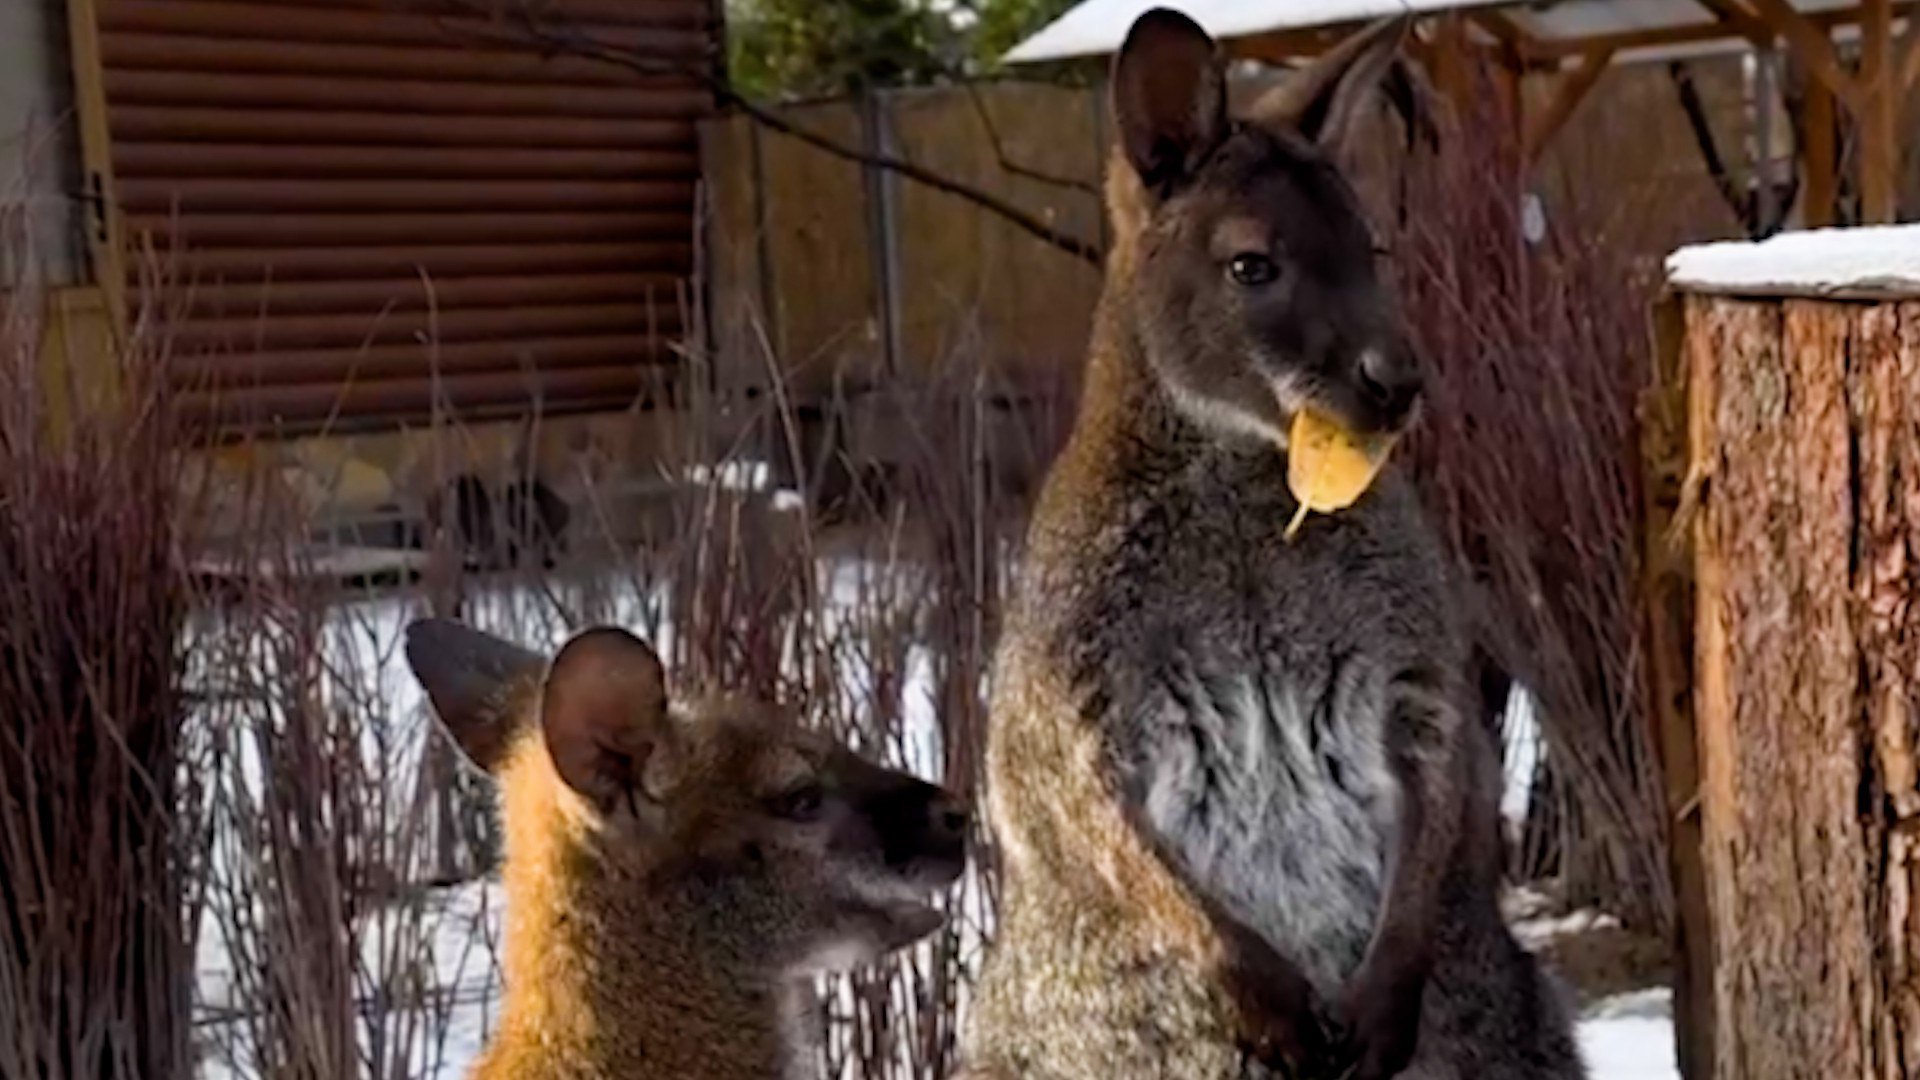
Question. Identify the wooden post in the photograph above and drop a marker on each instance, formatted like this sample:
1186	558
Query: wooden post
1671	496
1451	75
1822	154
105	242
1877	107
1884	390
1572	89
1804	425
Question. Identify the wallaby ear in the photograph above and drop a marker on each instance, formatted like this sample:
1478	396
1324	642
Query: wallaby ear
479	685
1169	98
604	711
1324	101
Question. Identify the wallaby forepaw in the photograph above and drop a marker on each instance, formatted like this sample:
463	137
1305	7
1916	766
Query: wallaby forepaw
1286	1054
1380	1025
1294	1046
1280	1023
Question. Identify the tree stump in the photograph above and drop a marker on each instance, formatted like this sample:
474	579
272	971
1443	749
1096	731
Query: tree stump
1800	516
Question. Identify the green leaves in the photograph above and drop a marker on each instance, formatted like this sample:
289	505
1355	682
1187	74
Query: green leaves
785	49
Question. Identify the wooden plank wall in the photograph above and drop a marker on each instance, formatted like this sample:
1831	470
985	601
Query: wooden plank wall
799	262
371	212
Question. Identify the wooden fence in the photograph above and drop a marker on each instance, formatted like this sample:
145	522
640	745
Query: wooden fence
853	274
843	278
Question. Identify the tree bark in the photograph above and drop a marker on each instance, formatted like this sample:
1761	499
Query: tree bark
1804	423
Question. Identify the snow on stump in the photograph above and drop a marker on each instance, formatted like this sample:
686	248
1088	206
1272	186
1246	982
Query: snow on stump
1783	568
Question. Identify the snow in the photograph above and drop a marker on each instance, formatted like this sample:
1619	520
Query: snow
1097	27
1872	261
1537	931
1520	758
1630	1038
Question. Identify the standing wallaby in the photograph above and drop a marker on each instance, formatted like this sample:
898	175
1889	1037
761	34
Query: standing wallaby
1248	821
674	871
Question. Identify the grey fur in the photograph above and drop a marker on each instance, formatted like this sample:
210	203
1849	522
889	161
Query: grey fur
1254	689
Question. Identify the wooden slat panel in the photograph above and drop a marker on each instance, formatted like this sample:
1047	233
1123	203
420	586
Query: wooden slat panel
685	13
333	183
285	161
226	196
235	370
443	260
170	52
305	404
138	123
224	19
658	98
346	230
356	329
280	298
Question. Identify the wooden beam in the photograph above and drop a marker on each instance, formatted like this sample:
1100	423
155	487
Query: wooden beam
1670	494
1451	46
1547	50
1573	89
1812	42
1516	46
1877	109
1910	68
1737	18
1284	46
1821	157
1561	48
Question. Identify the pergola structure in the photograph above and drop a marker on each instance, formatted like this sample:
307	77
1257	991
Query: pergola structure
1571	43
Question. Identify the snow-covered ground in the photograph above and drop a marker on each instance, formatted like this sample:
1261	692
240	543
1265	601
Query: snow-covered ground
1629	1037
450	943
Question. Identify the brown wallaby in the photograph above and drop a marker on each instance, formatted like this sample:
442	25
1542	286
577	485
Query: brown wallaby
1248	822
675	870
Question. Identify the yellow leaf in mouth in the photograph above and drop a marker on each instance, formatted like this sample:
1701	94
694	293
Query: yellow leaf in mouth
1329	467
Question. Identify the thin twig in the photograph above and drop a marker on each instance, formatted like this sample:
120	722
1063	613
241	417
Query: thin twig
1008	165
567	41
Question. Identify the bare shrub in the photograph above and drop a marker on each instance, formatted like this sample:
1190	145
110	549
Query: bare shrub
94	862
1538	352
333	946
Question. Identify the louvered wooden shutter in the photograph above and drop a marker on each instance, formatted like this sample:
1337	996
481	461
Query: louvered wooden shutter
356	194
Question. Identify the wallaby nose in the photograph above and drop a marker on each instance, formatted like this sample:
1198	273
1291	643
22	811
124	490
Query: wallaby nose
920	821
947	818
1391	381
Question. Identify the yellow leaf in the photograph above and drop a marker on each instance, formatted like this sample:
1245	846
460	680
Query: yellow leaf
1329	467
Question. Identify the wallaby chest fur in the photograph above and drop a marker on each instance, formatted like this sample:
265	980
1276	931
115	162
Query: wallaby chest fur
1242	681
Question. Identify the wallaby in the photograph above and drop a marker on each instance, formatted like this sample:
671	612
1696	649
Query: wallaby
675	869
1247	819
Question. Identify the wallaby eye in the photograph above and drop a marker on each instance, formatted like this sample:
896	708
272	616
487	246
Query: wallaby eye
1252	268
800	804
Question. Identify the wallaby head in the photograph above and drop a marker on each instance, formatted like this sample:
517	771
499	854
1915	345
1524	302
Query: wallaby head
811	857
1248	263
